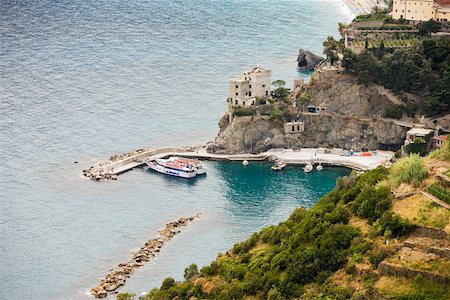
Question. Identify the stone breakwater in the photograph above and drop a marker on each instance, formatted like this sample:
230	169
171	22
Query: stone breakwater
119	274
118	163
102	170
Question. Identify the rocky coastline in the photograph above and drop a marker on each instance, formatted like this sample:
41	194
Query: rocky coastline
119	274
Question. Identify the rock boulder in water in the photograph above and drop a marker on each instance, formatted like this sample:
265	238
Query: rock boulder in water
307	60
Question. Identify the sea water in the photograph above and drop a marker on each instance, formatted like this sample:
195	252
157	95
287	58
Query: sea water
81	80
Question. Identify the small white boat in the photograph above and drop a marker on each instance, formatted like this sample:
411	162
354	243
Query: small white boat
308	168
245	162
319	167
178	166
278	166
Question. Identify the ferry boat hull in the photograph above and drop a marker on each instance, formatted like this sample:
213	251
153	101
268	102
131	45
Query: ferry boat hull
171	172
176	166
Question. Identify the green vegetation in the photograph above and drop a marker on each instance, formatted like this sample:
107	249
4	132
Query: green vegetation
389	42
439	192
443	153
279	261
330	49
421	211
244	111
423	70
410	170
393	111
419	146
261	100
375	15
125	296
276	113
418	288
190	272
280	92
425	28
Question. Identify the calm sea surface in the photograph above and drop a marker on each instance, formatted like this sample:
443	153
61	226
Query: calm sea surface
81	80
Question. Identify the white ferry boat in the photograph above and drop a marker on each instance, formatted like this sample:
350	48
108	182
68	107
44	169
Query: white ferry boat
178	166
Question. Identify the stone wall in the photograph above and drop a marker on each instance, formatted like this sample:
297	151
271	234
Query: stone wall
432	233
396	270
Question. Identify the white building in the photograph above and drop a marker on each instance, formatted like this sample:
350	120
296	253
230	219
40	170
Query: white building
416	132
254	83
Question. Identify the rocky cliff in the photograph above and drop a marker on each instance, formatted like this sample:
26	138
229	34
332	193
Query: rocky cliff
352	120
307	60
260	133
342	94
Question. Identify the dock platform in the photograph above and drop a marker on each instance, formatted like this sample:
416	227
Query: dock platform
110	169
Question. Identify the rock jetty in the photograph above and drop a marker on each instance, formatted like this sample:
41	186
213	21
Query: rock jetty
119	274
100	170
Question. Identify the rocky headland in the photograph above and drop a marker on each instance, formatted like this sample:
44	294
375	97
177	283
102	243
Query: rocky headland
307	60
350	117
119	274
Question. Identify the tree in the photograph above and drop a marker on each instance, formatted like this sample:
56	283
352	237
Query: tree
279	83
425	28
168	283
330	47
280	91
190	271
349	60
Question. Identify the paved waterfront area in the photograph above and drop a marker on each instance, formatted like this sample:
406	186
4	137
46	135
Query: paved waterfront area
315	156
335	157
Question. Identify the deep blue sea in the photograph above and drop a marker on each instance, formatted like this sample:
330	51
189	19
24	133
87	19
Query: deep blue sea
81	80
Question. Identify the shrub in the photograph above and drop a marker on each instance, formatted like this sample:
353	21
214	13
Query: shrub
260	101
377	255
393	112
244	111
210	270
391	225
168	283
125	296
276	113
274	294
443	153
409	169
371	203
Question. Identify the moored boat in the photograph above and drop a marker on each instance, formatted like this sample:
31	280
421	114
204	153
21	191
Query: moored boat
245	163
308	168
278	166
178	166
319	167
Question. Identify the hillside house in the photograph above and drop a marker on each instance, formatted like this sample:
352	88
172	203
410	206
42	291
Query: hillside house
251	84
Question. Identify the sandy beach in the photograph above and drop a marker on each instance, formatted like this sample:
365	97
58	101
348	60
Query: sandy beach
358	7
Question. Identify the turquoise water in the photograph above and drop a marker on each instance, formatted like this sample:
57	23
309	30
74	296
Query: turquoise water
81	80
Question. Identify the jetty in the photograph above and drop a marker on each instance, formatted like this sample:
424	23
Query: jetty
119	274
118	164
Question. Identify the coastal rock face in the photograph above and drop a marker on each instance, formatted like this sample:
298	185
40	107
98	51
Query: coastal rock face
351	119
343	95
325	130
248	135
307	60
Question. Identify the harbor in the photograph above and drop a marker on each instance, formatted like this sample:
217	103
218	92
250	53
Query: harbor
361	161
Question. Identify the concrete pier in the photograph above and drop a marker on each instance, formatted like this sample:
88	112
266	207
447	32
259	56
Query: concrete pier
110	169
